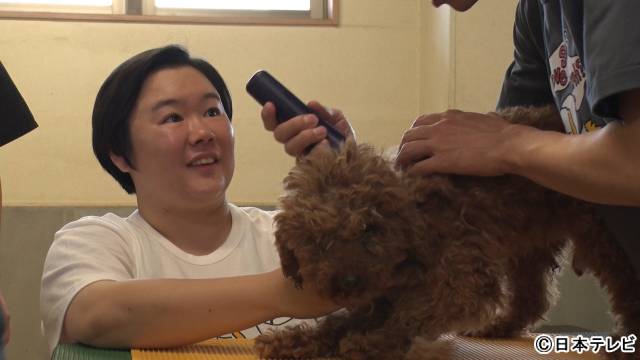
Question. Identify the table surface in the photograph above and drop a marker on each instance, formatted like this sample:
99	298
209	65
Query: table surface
81	352
464	348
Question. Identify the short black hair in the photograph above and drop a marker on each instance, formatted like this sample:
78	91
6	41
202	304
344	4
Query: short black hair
118	96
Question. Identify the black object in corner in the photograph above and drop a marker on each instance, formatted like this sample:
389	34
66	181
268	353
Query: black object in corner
15	117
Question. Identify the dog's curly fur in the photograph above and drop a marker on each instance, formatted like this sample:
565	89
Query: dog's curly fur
417	257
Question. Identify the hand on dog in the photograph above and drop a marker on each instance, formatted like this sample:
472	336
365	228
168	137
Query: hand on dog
457	142
302	303
302	131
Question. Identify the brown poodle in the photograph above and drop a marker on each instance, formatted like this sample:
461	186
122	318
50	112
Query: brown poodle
413	258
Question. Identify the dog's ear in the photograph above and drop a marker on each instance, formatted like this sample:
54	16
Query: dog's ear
290	266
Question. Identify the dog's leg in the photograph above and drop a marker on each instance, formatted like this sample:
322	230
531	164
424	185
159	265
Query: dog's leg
461	292
372	345
530	281
599	253
466	289
425	349
369	336
292	343
305	342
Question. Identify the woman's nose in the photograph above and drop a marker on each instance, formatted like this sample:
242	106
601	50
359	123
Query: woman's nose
200	131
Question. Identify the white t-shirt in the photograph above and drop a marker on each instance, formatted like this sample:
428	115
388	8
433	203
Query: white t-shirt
114	248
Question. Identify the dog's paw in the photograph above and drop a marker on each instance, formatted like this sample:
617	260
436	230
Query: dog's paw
423	349
291	344
366	347
355	347
266	346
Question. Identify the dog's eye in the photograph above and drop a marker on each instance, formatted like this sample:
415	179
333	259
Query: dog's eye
350	282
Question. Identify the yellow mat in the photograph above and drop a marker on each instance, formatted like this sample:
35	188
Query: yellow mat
464	348
231	349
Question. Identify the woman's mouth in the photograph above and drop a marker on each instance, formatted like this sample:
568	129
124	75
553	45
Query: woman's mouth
203	162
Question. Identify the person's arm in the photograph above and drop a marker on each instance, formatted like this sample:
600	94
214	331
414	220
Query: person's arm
600	166
165	313
298	133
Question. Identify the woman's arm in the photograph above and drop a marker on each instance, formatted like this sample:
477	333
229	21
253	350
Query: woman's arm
165	313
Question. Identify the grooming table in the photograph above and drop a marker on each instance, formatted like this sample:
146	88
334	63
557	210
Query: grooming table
464	348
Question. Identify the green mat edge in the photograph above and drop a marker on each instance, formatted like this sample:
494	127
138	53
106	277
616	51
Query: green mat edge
82	352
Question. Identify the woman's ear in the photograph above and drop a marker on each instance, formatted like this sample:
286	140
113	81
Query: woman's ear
120	162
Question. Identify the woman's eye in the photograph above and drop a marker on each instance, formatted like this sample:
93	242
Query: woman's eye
212	112
172	118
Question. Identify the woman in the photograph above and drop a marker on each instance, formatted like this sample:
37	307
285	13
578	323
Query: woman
187	265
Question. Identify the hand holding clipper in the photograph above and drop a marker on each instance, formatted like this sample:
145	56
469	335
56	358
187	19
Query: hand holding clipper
263	87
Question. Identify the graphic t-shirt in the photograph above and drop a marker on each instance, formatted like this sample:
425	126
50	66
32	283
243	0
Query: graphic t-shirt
579	54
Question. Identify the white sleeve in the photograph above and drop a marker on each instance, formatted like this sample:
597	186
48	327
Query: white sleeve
85	251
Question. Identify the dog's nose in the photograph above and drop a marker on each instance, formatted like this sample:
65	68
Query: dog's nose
350	282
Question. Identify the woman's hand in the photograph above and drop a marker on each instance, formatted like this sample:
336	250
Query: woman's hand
300	132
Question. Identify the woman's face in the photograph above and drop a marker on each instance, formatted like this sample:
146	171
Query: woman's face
182	140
